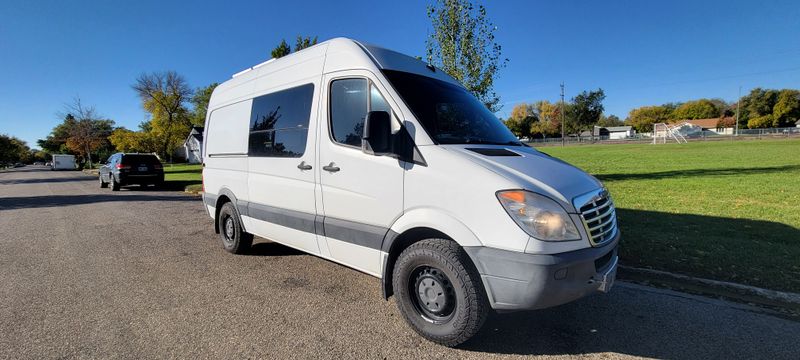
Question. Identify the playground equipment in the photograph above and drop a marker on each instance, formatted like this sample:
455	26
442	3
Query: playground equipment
662	131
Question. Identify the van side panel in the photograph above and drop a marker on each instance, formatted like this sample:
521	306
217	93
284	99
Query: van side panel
225	155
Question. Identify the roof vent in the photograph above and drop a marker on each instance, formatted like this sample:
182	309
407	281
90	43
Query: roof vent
493	152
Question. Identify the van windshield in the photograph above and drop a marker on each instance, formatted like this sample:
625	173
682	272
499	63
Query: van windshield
449	113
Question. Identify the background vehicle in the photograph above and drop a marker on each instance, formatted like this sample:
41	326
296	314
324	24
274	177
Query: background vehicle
131	169
63	162
385	164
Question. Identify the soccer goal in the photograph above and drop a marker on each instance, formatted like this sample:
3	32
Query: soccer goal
662	132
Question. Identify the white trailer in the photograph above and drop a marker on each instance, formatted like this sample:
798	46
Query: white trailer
63	162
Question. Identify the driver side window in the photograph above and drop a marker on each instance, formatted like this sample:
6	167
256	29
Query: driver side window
350	101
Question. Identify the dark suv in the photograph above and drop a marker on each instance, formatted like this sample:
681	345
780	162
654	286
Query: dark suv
128	169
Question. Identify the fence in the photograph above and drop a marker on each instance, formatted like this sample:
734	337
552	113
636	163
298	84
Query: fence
705	135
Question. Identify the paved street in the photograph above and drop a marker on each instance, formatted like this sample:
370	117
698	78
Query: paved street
87	273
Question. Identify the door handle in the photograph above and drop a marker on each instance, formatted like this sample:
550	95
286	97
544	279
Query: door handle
303	166
331	167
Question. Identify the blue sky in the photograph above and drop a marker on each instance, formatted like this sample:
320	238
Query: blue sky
639	52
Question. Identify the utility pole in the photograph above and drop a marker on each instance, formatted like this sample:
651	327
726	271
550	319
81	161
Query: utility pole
738	104
563	123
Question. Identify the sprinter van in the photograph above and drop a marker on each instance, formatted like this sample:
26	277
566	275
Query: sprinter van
63	162
385	164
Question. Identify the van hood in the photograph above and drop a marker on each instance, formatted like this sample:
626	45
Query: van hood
533	170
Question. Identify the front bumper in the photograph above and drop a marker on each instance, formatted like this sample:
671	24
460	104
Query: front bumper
521	281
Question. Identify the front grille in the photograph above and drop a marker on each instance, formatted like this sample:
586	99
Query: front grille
599	218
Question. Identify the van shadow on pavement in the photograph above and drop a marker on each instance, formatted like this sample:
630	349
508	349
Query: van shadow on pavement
633	321
32	202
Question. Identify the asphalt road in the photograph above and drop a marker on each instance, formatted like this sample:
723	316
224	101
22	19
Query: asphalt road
87	273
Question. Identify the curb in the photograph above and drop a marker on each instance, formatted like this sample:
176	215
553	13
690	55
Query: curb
733	291
192	192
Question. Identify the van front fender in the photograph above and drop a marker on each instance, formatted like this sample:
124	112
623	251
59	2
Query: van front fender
431	218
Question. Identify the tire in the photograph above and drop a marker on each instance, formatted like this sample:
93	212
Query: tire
439	292
114	184
103	184
234	239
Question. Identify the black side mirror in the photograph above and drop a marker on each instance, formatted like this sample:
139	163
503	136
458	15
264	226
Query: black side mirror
377	138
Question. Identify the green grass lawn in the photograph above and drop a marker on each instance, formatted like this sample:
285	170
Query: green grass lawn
183	176
723	210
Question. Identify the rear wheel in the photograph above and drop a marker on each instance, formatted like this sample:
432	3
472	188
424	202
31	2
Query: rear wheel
103	184
234	239
114	184
439	292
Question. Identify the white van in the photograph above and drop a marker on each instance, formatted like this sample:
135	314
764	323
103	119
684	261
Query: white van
383	163
63	162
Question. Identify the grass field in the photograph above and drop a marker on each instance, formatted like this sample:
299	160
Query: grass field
183	176
722	210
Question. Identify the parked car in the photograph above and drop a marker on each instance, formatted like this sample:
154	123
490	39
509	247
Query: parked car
385	164
19	165
123	169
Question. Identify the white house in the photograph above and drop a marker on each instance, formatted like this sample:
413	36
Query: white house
612	132
620	132
193	146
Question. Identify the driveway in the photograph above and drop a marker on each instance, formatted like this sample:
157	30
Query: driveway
87	273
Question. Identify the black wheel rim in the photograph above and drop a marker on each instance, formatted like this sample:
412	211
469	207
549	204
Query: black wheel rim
432	294
228	229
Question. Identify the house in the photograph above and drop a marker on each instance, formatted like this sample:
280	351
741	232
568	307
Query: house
620	132
716	125
797	123
193	146
611	132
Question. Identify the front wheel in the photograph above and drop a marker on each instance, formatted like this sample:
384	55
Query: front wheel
439	292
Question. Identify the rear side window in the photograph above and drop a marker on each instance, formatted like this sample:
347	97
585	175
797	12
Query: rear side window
279	122
140	159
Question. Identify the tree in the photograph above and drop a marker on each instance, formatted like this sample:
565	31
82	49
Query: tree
609	121
199	102
281	50
125	140
769	108
83	132
698	109
585	110
304	42
787	109
522	118
725	109
463	45
12	150
56	141
643	118
163	95
549	123
758	122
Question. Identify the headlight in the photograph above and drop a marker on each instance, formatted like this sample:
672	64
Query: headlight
538	215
